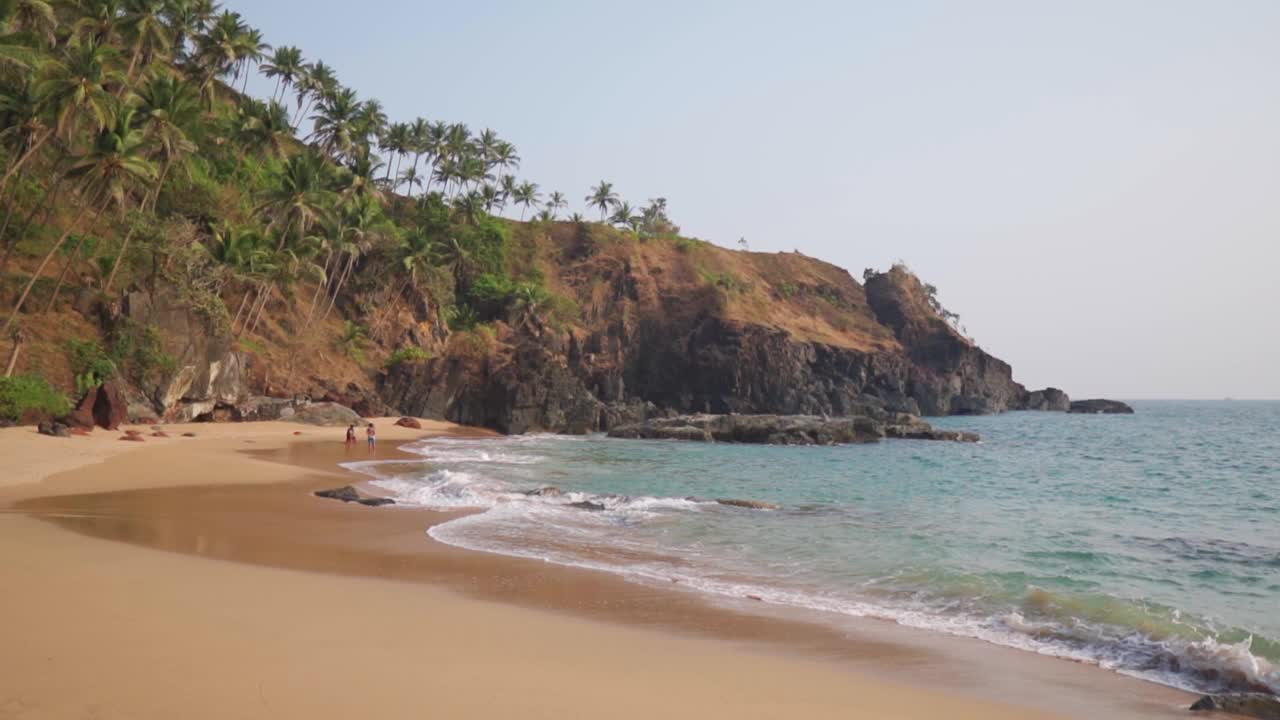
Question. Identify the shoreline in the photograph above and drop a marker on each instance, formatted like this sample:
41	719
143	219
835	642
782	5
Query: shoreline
269	521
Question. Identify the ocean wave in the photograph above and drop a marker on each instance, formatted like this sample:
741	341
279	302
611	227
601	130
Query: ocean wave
525	518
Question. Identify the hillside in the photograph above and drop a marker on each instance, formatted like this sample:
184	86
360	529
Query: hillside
218	256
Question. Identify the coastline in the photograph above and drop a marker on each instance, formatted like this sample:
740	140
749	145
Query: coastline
309	575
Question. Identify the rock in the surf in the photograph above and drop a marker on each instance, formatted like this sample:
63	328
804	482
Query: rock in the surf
1098	406
588	505
749	504
1254	705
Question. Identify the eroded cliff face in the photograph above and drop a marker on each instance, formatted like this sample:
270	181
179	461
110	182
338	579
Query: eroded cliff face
664	328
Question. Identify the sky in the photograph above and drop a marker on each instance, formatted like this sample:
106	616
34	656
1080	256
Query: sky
1094	186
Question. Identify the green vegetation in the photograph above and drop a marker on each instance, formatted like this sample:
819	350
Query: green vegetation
29	394
412	354
723	280
132	157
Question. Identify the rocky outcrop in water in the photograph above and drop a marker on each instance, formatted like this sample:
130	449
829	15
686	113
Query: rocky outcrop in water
784	429
1100	407
1251	705
1047	400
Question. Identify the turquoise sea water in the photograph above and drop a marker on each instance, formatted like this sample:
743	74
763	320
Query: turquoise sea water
1149	543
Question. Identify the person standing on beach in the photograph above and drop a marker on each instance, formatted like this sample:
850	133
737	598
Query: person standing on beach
351	435
372	435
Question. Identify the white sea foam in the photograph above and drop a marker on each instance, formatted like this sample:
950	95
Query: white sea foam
549	528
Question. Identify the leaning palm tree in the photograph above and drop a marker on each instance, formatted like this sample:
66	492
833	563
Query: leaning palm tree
298	197
602	197
107	174
409	177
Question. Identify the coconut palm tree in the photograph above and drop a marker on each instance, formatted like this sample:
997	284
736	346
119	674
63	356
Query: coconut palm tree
107	174
622	214
35	18
265	127
602	197
555	203
526	194
298	197
336	123
410	177
144	24
285	66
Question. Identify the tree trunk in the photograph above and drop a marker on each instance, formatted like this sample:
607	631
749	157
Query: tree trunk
26	291
24	157
62	276
315	298
18	338
342	279
243	301
31	216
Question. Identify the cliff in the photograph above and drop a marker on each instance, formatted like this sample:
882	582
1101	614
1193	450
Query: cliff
687	326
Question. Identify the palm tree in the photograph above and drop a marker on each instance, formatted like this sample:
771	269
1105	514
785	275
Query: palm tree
602	197
419	140
622	214
144	22
167	109
335	123
298	197
35	18
410	177
526	194
395	141
555	203
107	175
265	127
286	67
72	91
99	21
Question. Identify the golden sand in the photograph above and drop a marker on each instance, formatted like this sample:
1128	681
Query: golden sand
198	578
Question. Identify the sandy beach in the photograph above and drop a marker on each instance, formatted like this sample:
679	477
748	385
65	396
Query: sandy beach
198	578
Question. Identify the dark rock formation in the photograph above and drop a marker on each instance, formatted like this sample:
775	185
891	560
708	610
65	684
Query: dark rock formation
784	429
1047	400
1100	407
348	494
411	423
1252	705
54	429
327	415
588	505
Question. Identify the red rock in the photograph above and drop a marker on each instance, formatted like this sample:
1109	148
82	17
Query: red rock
132	438
132	432
159	433
80	432
297	432
110	410
408	422
82	416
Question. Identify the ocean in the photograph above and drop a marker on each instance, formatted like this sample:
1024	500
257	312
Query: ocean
1147	544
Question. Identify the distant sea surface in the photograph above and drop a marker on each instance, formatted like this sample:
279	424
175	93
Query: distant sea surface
1148	544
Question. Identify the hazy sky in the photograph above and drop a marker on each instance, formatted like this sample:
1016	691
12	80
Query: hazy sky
1093	186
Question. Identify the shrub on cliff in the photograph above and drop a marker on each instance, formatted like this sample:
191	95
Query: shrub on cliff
30	397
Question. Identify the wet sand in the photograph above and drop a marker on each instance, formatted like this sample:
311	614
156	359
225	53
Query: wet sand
269	602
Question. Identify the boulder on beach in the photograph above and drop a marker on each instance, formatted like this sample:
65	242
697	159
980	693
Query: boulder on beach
54	429
103	406
1252	705
132	438
327	414
1098	406
408	422
348	494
